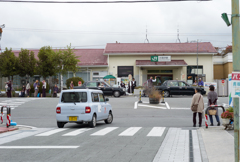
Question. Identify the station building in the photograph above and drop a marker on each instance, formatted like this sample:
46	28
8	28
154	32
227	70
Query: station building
168	61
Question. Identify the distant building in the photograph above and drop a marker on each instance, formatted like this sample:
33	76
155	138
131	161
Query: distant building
142	60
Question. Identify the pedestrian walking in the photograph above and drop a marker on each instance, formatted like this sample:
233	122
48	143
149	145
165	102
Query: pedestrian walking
197	106
71	85
9	89
36	86
134	85
23	91
55	91
212	100
28	88
44	87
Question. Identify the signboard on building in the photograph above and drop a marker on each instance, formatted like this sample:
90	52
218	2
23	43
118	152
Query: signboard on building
235	91
207	84
160	58
124	71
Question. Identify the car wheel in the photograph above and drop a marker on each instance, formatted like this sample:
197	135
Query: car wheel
166	93
60	124
109	119
93	123
116	94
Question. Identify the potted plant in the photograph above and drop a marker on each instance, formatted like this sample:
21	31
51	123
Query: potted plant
154	96
226	116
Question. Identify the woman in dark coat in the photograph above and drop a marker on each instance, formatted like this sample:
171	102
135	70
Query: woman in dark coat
9	89
23	91
212	100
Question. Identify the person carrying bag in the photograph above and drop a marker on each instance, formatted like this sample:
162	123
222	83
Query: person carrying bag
197	106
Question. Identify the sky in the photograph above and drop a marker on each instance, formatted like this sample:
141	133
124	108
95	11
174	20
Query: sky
34	25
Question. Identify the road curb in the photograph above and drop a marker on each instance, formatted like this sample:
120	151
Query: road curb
202	147
4	129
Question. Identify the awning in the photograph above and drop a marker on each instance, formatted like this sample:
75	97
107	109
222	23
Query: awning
149	63
109	77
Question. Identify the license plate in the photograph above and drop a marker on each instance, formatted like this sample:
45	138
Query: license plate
72	118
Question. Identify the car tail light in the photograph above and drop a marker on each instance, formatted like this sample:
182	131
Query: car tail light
87	109
58	110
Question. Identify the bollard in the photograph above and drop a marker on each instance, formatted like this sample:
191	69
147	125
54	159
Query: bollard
8	117
140	97
163	97
1	114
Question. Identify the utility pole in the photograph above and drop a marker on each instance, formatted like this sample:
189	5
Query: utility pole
1	27
236	68
197	62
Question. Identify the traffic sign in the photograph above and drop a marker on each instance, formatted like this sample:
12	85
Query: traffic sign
223	81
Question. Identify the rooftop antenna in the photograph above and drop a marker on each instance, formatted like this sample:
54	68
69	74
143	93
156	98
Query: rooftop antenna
178	39
146	36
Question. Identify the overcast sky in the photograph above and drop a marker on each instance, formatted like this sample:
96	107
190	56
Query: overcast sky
29	25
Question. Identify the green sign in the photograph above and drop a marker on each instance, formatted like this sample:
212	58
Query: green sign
154	58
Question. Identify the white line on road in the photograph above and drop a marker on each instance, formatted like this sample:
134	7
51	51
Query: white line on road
156	132
130	131
37	147
135	105
181	108
168	107
152	106
77	132
104	131
48	133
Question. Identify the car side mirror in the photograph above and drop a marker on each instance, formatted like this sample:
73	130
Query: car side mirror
106	99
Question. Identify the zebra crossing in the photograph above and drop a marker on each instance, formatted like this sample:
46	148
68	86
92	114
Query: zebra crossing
14	103
126	132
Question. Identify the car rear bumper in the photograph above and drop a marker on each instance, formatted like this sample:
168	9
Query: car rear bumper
80	118
203	92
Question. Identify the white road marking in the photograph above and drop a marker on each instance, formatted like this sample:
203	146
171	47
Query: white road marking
38	147
51	132
130	131
152	106
181	108
104	131
168	107
135	105
77	132
156	132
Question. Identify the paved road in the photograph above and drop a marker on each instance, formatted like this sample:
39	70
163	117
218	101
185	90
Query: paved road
138	133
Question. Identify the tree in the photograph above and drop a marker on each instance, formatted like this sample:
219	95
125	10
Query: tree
8	63
26	63
47	63
68	59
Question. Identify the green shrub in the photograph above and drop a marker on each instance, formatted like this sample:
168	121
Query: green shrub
75	81
230	109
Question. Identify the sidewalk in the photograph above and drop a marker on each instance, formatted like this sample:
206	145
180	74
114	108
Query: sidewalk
218	143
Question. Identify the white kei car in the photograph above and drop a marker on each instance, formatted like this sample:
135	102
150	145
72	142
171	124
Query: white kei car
83	106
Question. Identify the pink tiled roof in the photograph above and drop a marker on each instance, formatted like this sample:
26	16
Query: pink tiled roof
203	47
87	57
170	63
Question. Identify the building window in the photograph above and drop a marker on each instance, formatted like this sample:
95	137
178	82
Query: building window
124	71
194	70
95	73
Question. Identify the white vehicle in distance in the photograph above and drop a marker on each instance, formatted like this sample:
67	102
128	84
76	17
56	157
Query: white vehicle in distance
83	106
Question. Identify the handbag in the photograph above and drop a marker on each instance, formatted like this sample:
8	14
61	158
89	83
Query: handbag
8	88
195	106
212	112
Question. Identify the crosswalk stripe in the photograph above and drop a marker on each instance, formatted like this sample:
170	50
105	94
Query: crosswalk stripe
104	131
51	132
77	132
130	131
156	132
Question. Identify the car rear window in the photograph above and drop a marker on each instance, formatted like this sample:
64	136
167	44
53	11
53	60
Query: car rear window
74	97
